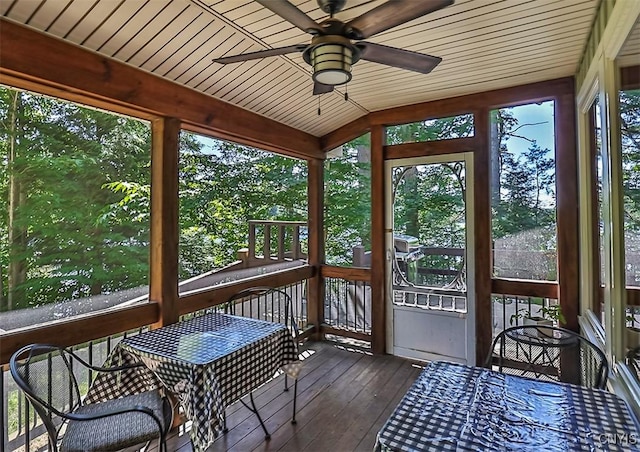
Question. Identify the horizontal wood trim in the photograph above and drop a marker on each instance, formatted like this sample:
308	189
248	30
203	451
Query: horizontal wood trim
630	77
437	271
52	89
499	98
428	148
524	288
98	325
345	134
506	97
79	329
633	296
100	81
348	273
203	299
439	251
344	333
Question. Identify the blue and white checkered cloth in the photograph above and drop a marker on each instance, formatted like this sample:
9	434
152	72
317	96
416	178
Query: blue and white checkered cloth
452	407
208	362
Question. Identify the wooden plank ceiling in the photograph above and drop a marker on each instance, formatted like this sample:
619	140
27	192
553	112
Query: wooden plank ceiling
484	44
630	52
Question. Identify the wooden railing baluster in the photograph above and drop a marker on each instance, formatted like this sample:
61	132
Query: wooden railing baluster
295	247
266	251
281	245
287	246
252	240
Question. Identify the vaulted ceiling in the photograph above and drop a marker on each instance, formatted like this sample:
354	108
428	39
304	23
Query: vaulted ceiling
630	52
484	44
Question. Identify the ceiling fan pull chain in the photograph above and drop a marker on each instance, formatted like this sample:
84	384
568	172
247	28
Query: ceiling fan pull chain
346	92
319	111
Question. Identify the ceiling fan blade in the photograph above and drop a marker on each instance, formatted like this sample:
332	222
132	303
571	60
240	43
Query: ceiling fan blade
320	88
391	14
292	14
261	54
404	59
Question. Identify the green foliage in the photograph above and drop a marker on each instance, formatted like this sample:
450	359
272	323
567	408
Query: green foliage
523	201
431	130
430	205
525	180
347	202
61	159
630	128
224	185
79	223
550	312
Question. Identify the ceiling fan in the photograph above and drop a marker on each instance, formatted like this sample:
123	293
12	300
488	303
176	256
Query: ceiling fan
332	50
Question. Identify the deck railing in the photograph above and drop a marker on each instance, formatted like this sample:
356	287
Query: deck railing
257	307
274	241
22	428
509	310
347	302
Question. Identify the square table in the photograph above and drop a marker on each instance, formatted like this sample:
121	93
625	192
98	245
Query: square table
452	407
208	362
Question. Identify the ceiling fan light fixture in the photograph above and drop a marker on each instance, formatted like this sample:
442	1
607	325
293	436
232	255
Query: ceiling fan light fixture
331	63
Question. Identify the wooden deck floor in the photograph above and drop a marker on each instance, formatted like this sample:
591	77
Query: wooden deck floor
344	397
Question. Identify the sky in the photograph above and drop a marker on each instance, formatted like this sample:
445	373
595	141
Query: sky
542	133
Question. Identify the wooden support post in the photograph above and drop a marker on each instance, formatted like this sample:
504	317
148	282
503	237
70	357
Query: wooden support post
315	194
163	284
378	246
483	249
567	199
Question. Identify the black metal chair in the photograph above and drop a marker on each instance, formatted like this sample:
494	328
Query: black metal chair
49	376
633	361
549	353
273	305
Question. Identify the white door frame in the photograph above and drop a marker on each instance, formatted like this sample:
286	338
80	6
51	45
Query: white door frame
467	158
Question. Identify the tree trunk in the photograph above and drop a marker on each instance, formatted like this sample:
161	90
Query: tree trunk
17	271
496	138
411	181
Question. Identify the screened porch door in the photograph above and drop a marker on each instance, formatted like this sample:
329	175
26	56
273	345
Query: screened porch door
429	239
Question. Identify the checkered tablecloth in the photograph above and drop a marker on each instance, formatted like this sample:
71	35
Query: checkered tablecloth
452	407
208	362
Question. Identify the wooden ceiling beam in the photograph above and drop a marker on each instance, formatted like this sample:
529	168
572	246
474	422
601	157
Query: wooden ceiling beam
427	148
346	133
46	64
505	97
629	77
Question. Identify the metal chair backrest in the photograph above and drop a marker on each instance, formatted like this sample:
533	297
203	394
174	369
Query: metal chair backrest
48	376
264	303
273	305
549	353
